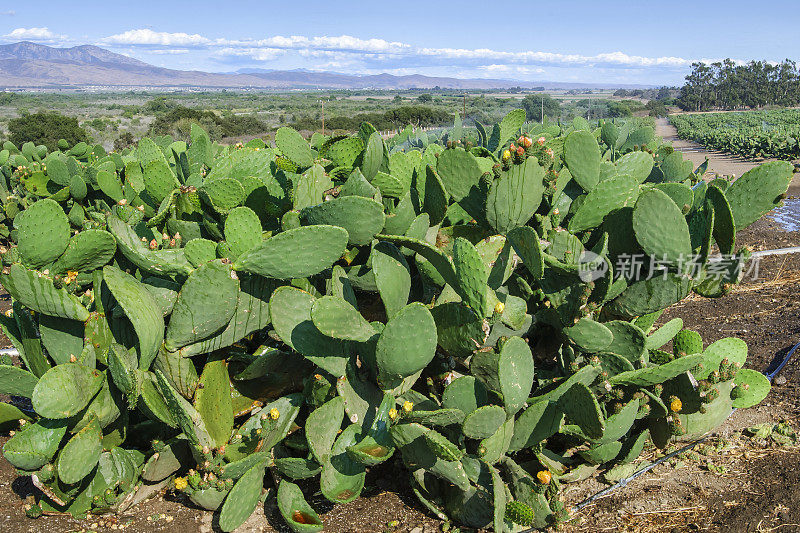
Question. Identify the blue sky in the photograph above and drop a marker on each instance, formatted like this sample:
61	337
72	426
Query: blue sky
600	41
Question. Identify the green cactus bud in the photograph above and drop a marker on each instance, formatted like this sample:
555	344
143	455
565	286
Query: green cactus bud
33	510
194	479
711	395
109	497
519	513
47	473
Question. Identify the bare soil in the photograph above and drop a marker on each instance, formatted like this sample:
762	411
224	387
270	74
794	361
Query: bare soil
731	483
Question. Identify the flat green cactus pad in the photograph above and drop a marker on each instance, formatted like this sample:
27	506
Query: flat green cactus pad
399	356
43	231
661	228
296	253
363	218
64	390
582	157
205	304
295	510
141	309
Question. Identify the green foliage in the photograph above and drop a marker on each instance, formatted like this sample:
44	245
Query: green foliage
533	104
728	85
417	115
176	121
772	133
46	129
657	108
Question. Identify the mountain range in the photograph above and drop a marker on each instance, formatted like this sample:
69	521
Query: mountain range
31	65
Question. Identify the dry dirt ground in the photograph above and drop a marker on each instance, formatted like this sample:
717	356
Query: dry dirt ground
731	483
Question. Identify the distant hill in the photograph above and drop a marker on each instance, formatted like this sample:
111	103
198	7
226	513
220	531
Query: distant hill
27	64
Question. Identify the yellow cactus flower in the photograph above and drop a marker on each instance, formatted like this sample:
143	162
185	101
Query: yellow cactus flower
70	277
408	406
676	405
274	414
499	307
393	413
181	483
544	477
506	155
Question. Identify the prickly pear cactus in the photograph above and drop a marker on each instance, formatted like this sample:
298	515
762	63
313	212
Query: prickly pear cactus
187	317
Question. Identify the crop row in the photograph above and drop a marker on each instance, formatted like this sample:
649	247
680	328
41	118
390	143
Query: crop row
753	134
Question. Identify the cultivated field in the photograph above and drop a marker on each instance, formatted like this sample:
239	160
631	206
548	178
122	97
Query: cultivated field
365	332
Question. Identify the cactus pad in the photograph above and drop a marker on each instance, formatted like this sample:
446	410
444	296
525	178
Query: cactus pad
242	230
141	309
213	284
758	191
292	145
64	390
363	218
295	510
337	318
484	422
582	157
296	253
753	386
81	453
399	356
661	228
43	231
515	196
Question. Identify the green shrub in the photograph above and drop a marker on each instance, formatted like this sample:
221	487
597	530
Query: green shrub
46	129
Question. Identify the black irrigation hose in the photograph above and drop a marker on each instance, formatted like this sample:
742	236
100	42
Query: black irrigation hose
624	482
771	375
638	473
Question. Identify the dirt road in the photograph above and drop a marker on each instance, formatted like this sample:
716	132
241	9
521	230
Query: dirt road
718	162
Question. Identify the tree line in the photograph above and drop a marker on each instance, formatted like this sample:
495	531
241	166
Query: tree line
728	85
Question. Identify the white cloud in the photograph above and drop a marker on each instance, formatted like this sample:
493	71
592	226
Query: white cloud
147	37
369	55
169	51
33	34
557	59
511	69
346	42
158	38
8	13
380	49
324	42
257	54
